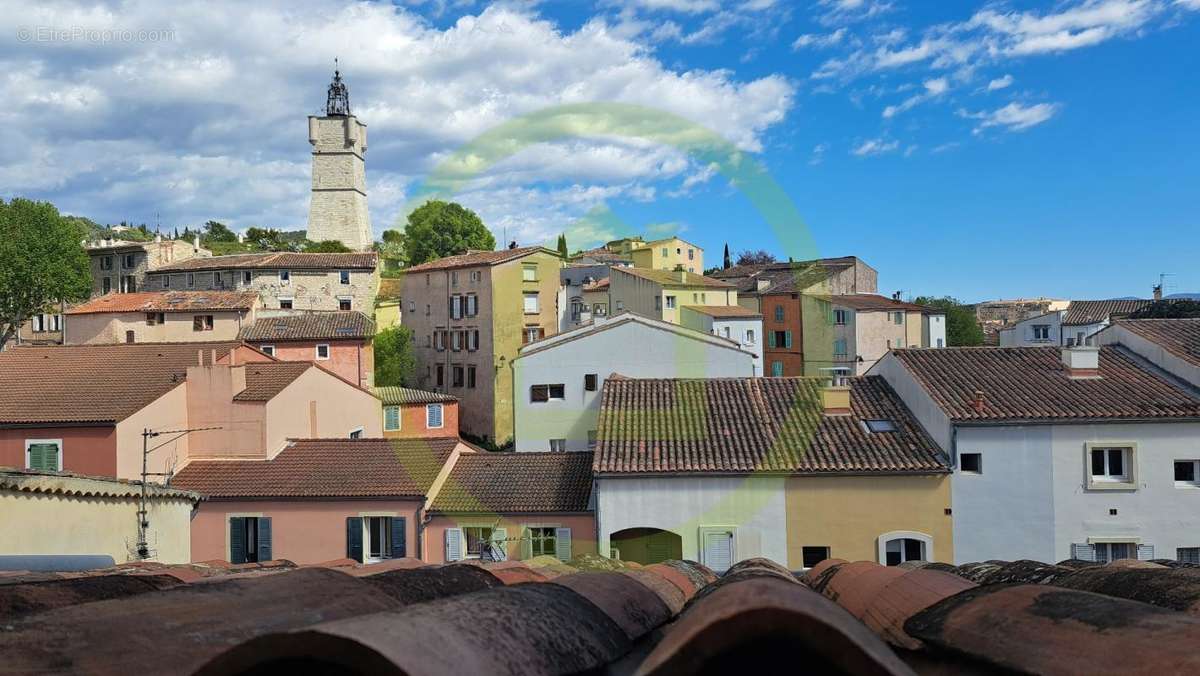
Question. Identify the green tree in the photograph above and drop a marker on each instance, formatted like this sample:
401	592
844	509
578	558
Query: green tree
962	328
324	246
562	246
41	262
395	363
218	232
265	239
437	229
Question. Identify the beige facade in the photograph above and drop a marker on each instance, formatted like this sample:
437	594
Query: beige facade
338	206
122	266
165	327
661	295
670	253
869	334
76	515
303	289
515	300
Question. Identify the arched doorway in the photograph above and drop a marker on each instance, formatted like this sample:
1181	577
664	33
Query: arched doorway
646	545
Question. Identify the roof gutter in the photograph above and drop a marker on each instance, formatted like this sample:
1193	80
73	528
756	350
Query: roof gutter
1027	422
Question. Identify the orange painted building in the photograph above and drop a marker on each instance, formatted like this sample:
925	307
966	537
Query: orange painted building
338	341
783	334
409	413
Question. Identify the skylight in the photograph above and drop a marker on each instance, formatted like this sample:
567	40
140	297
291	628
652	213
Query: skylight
880	425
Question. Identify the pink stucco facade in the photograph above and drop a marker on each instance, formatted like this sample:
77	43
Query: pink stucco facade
352	360
303	531
413	422
583	531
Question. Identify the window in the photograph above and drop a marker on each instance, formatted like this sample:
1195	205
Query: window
780	339
898	547
285	303
576	309
1188	555
726	331
898	317
166	281
249	539
1187	473
1110	465
840	317
433	414
456	307
356	433
839	348
670	302
441	376
456	340
39	323
439	340
590	382
472	305
107	285
323	351
531	303
749	339
941	342
129	262
454	278
529	273
533	333
811	556
43	454
191	280
558	445
471	377
476	275
1041	332
472	340
691	254
412	306
476	536
542	541
130	337
542	393
664	252
285	277
880	425
717	548
778	313
391	418
970	463
154	318
202	323
457	376
106	262
1112	551
344	276
777	369
268	350
344	304
620	305
128	284
247	276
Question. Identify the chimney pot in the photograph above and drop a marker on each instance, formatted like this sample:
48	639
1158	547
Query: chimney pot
835	397
978	401
1081	361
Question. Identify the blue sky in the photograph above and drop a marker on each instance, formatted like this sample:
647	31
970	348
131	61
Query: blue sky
975	149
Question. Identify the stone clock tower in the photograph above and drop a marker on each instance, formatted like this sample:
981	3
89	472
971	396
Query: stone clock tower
338	209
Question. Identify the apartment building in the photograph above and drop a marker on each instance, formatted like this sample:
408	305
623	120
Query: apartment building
866	326
160	317
847	274
409	413
669	253
740	325
662	294
284	281
470	314
1075	324
121	266
586	290
340	342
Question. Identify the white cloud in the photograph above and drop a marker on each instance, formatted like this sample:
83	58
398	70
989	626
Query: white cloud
820	41
214	119
1000	83
682	6
933	89
818	154
1014	116
850	11
875	146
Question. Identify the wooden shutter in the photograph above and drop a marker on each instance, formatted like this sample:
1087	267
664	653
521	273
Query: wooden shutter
718	550
770	339
500	537
264	539
391	415
237	539
1083	552
526	544
562	543
1145	552
399	526
354	538
454	544
787	339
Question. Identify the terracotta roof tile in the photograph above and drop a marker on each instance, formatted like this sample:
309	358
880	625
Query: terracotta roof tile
598	285
276	260
517	483
475	258
748	270
321	468
168	301
1031	383
743	425
1180	337
82	485
724	311
671	278
310	326
1081	312
399	396
870	301
266	379
93	383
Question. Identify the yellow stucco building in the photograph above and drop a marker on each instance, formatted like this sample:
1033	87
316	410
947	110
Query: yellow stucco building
660	294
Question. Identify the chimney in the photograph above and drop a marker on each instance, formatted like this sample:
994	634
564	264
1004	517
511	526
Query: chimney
682	275
978	401
762	284
835	397
196	242
1158	292
1081	361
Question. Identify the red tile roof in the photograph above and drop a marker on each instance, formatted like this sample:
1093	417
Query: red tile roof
276	260
525	483
1081	312
748	270
870	301
1180	337
724	311
745	425
168	301
598	285
342	325
266	379
671	278
325	468
1031	383
93	383
477	258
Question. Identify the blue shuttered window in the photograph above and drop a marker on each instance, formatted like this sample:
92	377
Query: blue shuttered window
354	538
264	539
237	539
399	527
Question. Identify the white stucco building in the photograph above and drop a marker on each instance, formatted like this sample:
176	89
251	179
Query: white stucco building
1058	453
1170	344
1074	325
558	380
733	322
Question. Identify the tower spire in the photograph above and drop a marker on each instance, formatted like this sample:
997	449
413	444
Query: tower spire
337	102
